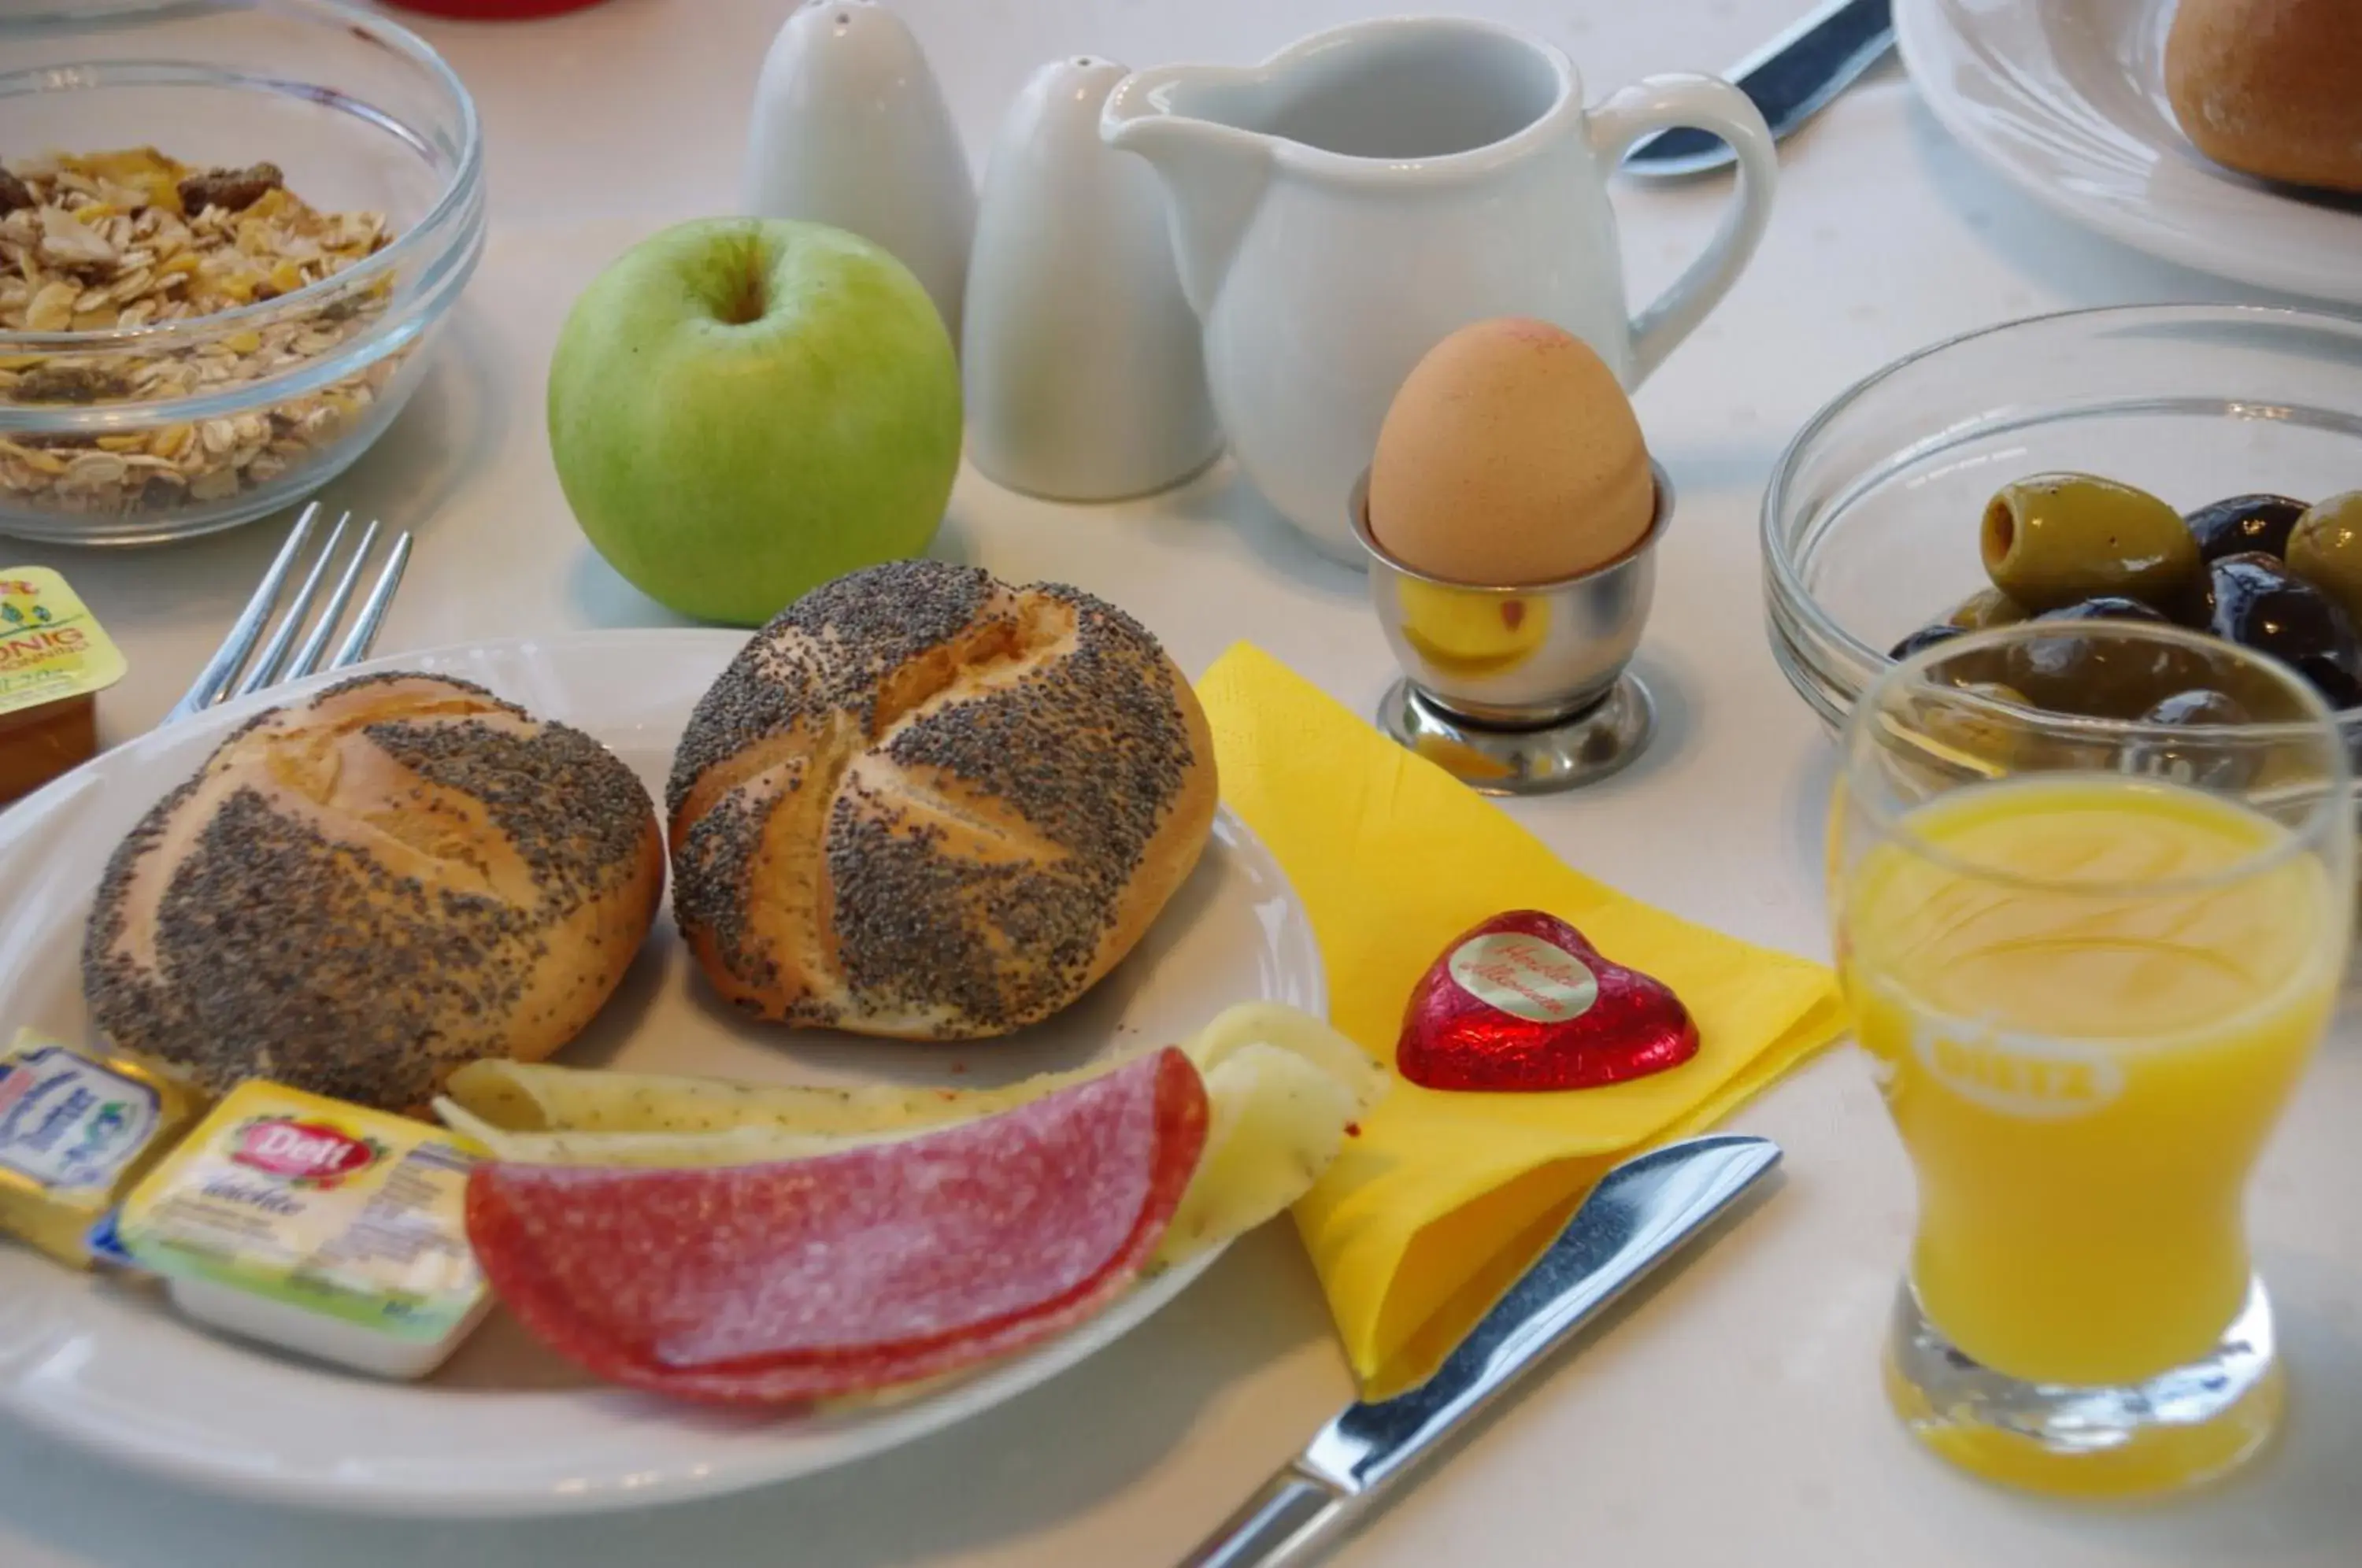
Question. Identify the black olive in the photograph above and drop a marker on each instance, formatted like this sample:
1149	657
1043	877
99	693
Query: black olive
2205	761
2107	678
2199	705
2243	524
2256	601
2108	607
2340	689
1925	637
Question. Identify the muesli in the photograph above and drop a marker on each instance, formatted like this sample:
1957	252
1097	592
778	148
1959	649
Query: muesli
108	241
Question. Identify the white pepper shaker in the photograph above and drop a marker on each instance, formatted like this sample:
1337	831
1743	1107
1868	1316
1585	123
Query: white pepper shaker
1086	377
850	128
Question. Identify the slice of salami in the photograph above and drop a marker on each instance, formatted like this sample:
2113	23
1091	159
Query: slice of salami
780	1283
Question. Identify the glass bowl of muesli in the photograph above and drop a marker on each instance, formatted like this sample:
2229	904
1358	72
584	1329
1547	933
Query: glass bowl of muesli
229	233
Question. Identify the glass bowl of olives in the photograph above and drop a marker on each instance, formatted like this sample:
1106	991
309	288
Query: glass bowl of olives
2200	465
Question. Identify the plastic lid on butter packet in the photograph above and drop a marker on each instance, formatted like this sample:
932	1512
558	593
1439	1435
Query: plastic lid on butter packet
51	646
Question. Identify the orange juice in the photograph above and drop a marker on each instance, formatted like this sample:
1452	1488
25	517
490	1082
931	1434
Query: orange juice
2087	999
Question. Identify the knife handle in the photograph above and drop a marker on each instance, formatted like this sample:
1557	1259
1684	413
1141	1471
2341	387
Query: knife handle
1275	1527
1805	69
1791	79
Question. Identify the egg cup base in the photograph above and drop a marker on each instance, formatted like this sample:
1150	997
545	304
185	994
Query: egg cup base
1566	754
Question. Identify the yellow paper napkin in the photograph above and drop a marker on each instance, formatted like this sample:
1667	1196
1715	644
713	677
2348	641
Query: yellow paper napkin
1445	1197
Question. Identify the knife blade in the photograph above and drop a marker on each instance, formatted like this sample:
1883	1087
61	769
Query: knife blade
1791	79
1641	1213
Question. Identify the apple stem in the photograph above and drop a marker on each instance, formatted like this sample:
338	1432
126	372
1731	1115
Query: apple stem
746	302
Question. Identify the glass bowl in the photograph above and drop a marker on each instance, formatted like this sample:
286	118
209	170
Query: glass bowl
166	429
1870	519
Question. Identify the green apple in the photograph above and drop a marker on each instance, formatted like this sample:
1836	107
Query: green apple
741	409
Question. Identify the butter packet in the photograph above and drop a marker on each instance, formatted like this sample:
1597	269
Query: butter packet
324	1228
77	1128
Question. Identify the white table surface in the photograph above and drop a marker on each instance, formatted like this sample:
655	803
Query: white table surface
1732	1414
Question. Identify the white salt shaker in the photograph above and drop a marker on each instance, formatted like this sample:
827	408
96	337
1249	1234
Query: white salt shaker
850	128
1085	378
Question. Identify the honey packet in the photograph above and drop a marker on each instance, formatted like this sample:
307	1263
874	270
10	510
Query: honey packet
55	659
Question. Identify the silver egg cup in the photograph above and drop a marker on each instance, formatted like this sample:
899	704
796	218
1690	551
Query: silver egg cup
1520	689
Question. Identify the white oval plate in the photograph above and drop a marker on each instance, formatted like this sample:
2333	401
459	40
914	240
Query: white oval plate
506	1428
2065	99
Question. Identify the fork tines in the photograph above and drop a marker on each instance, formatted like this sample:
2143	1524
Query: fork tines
306	615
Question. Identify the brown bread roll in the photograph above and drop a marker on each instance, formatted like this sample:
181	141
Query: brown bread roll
925	804
2272	88
361	893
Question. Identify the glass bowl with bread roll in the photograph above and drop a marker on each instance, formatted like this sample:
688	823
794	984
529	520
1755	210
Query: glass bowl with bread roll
2197	464
230	234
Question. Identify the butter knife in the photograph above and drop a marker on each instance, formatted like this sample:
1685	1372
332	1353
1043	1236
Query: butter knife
1791	79
1640	1213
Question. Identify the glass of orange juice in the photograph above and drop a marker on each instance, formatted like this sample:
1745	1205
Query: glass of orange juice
2088	948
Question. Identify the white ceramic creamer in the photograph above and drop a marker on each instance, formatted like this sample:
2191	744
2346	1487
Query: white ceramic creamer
1339	209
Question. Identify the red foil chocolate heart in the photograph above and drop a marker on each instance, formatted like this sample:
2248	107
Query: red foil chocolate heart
1524	1001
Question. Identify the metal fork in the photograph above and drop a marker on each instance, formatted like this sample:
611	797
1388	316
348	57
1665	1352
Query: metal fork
272	665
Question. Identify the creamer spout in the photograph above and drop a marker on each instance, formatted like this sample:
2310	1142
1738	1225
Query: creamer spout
1214	174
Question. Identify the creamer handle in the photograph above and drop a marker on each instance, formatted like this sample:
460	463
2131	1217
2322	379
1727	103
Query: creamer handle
1659	103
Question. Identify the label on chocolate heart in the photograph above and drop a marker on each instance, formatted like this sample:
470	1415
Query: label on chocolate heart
1525	976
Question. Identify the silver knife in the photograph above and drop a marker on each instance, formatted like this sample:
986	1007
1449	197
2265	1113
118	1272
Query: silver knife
1638	1215
1790	78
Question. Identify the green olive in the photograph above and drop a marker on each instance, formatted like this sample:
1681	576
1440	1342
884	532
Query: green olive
1987	607
2056	539
1985	741
2326	549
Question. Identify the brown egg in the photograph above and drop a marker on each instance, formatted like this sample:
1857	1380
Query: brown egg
1510	455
